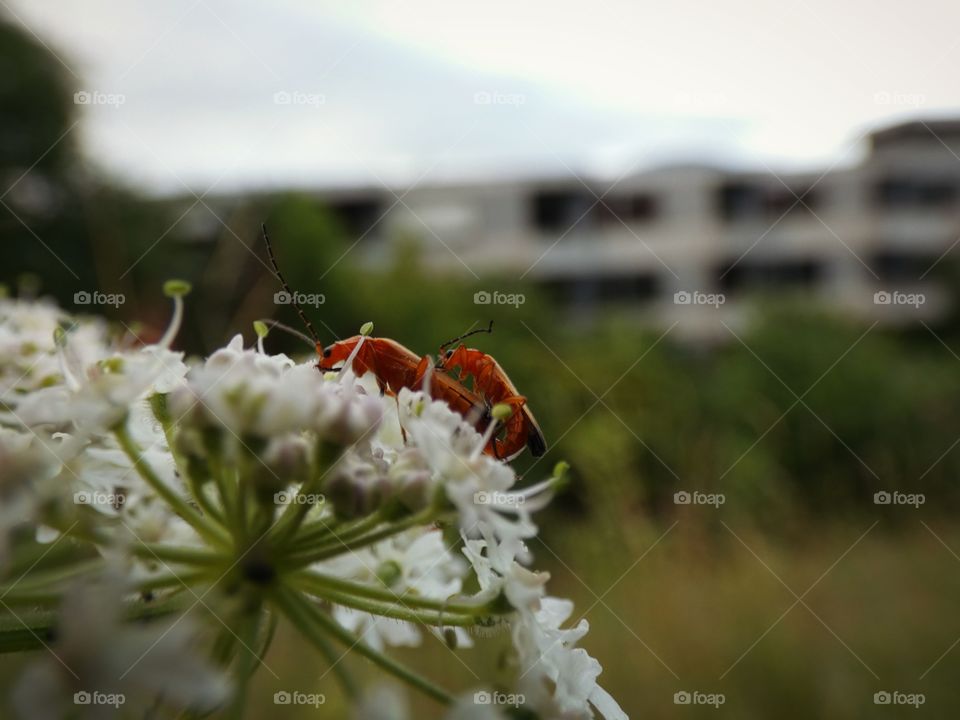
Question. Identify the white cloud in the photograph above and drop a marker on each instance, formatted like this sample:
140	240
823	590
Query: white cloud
603	84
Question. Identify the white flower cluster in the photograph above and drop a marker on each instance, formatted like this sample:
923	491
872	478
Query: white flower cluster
354	513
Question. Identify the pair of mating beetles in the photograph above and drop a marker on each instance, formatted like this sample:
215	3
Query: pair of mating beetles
396	367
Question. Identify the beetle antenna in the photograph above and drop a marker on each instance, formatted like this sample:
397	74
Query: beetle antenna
488	329
287	329
283	283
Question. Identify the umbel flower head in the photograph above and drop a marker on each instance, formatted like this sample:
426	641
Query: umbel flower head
182	507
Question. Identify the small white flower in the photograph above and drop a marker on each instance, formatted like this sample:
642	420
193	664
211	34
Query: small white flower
449	445
415	562
249	392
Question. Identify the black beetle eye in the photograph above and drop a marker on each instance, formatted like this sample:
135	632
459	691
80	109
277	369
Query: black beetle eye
327	352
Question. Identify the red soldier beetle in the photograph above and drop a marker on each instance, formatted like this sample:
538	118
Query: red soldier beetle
396	367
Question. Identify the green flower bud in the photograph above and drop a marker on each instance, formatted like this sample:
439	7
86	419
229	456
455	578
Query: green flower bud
176	288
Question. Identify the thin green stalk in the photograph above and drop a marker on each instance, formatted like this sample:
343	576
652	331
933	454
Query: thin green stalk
247	661
314	623
199	523
313	581
296	617
175	580
398	611
311	535
34	630
45	578
178	554
200	494
332	549
294	514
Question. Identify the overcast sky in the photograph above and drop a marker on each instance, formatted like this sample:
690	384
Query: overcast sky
399	91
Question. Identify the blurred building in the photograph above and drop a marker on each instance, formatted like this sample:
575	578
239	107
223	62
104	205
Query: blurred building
677	236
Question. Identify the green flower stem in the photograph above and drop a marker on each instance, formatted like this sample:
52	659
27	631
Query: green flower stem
32	598
294	514
247	660
315	636
240	520
34	630
175	580
199	523
397	611
178	554
314	622
44	579
337	547
161	411
26	631
317	532
316	582
225	490
203	500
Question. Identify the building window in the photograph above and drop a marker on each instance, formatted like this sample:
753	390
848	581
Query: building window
594	289
557	210
901	264
903	193
637	208
740	201
769	275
